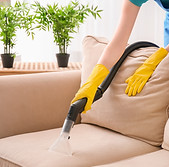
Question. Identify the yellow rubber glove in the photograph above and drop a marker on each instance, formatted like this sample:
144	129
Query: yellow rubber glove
137	81
89	89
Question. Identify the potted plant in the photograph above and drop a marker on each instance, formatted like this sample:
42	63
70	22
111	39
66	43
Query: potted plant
13	18
64	21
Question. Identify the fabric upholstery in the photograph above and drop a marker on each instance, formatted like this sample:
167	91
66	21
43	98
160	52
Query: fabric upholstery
35	102
165	144
155	159
91	145
5	163
143	116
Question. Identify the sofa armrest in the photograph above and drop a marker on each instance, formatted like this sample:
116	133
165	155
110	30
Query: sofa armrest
35	102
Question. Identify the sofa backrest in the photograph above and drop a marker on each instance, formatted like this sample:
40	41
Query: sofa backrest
142	116
35	102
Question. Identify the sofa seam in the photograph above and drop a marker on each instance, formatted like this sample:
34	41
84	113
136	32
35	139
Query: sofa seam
167	111
95	38
9	161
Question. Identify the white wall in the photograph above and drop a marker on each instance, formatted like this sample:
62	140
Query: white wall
149	26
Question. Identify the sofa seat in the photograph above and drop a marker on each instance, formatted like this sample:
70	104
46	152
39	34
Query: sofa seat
155	159
91	146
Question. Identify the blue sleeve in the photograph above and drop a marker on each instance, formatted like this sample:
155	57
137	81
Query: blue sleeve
166	30
138	2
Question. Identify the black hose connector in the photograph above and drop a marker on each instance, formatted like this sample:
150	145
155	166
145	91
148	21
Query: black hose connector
78	106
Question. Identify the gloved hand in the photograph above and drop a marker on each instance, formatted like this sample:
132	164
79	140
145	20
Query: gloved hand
89	89
137	81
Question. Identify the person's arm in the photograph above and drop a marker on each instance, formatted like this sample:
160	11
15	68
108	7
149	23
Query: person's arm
117	45
111	54
167	48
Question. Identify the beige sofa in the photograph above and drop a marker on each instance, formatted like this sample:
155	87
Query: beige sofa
119	131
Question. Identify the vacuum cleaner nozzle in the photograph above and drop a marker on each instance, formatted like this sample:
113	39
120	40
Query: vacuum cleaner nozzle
62	145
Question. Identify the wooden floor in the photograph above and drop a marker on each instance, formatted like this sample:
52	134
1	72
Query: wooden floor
37	67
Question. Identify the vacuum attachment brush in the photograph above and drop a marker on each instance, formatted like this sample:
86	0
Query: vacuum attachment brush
62	145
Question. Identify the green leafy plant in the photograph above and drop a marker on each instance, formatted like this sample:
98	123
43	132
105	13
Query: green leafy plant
64	20
13	18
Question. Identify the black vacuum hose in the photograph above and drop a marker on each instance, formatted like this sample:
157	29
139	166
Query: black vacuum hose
78	106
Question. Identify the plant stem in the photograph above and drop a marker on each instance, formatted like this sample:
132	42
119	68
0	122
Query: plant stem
9	47
6	44
64	49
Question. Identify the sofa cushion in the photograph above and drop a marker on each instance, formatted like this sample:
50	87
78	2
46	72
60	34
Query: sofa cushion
155	159
91	145
165	144
142	116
